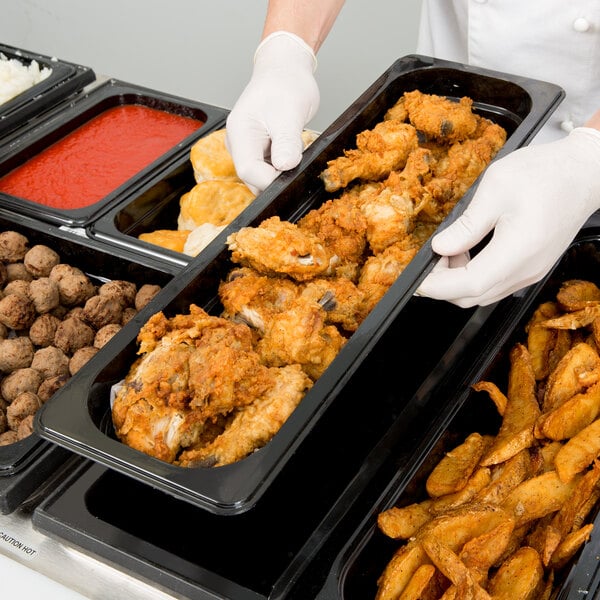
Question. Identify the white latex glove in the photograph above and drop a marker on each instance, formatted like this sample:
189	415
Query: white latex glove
264	127
535	199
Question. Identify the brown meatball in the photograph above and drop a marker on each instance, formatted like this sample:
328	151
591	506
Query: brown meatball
76	311
104	334
15	353
25	428
26	403
15	271
44	294
72	334
102	310
20	380
3	421
74	286
17	286
40	259
43	329
8	437
125	290
16	311
3	274
50	386
50	361
13	246
128	314
145	294
80	357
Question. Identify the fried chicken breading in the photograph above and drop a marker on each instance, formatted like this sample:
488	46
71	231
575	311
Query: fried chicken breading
441	118
279	247
254	425
300	335
378	152
252	298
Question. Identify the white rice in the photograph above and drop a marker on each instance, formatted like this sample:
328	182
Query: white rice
16	77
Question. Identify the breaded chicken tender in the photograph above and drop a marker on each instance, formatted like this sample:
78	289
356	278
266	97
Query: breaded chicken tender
279	247
253	426
378	152
441	118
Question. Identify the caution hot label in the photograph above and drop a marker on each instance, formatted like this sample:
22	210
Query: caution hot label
16	546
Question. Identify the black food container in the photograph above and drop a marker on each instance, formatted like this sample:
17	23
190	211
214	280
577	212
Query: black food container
65	80
63	120
520	105
26	463
79	416
263	552
404	463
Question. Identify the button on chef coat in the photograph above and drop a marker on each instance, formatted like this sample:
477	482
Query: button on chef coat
551	40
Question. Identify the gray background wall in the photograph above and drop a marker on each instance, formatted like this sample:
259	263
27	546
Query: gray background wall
203	49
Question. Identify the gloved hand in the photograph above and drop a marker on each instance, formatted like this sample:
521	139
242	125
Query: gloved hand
535	199
264	127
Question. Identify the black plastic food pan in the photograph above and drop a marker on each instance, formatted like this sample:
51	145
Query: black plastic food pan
354	571
65	80
62	121
100	264
79	417
518	104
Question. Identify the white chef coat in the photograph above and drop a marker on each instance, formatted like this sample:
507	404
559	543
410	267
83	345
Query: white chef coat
552	40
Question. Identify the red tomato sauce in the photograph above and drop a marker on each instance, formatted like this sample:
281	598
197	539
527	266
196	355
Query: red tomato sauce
95	159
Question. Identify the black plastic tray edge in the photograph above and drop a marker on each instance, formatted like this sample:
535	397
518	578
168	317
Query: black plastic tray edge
20	141
166	476
584	575
98	545
66	79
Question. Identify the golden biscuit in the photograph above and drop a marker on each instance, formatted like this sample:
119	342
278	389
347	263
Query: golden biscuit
166	238
211	160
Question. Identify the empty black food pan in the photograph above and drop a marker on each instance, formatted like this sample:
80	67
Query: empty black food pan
519	105
100	264
79	416
65	80
354	571
67	120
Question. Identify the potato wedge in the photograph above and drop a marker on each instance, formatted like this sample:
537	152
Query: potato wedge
399	571
401	523
575	294
541	340
579	452
479	480
418	583
454	470
574	320
521	577
570	376
522	410
506	476
537	497
570	417
570	545
495	394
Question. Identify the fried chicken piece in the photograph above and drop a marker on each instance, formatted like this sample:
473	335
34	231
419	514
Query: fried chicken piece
278	247
398	111
457	171
392	208
378	152
343	302
342	228
192	368
253	426
381	271
300	335
252	298
439	117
